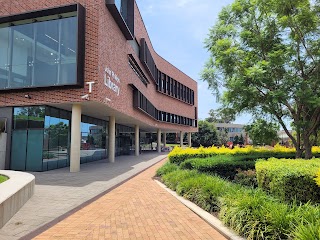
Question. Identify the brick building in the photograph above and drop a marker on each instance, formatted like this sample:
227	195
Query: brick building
80	81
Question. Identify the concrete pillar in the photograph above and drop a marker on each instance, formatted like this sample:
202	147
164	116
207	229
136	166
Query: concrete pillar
137	140
181	139
164	139
75	138
159	141
112	139
189	139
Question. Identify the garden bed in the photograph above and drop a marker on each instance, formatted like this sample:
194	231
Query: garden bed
253	212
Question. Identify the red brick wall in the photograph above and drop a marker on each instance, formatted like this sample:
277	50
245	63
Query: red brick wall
105	47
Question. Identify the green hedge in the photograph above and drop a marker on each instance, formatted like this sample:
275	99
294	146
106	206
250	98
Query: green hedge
225	166
180	158
289	179
250	212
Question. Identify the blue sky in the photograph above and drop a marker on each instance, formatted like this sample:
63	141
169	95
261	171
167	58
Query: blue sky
177	29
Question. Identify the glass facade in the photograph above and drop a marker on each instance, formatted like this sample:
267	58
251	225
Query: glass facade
41	139
93	139
40	53
124	140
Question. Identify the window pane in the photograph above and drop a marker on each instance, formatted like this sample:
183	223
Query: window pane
22	56
36	117
47	53
21	118
68	69
4	56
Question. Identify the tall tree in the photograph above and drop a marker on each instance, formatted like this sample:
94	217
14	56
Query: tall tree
222	115
262	132
206	136
266	55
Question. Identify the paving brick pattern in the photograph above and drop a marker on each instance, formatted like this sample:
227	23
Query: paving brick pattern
138	209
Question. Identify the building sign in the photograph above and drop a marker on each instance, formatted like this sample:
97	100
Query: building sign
111	80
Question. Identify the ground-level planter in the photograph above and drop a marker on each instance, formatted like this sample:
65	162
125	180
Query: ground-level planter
14	193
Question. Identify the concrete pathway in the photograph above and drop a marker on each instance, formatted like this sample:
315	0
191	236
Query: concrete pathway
138	209
57	192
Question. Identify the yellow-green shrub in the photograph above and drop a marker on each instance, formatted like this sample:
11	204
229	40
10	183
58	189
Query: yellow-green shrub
178	155
318	178
289	179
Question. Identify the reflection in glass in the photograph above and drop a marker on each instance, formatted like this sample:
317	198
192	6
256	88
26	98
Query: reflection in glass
22	56
20	118
47	53
4	56
93	140
42	53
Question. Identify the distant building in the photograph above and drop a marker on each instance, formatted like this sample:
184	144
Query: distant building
233	130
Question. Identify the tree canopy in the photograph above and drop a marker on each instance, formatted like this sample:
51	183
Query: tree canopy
206	136
262	132
266	55
220	116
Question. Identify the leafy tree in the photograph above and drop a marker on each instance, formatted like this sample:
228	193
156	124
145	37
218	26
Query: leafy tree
222	137
220	116
266	55
262	132
207	135
236	140
241	139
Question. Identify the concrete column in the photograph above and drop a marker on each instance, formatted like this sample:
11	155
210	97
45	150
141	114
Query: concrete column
112	139
164	139
159	141
181	139
137	140
75	138
189	139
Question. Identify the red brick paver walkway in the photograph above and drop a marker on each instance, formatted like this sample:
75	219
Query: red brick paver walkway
138	209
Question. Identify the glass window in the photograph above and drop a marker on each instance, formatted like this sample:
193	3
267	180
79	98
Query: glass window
20	118
36	117
38	54
22	56
4	56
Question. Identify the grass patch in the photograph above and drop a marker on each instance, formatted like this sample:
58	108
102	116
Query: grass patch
3	178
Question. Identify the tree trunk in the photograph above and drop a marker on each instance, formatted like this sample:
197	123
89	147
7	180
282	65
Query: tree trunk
308	146
299	152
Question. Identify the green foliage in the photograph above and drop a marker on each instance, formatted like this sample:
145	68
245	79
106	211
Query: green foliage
206	136
3	178
225	166
246	178
289	179
262	132
172	179
220	116
265	54
166	168
250	212
203	191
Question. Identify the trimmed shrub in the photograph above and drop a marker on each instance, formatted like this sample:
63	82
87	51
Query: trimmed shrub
246	178
289	179
179	155
224	165
317	179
